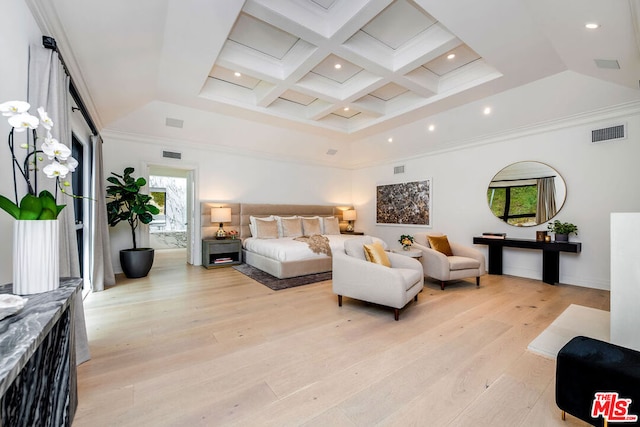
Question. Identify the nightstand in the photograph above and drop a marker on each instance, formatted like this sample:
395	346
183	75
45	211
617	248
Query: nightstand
353	233
221	253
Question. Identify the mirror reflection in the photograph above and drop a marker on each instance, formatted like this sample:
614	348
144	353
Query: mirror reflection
525	194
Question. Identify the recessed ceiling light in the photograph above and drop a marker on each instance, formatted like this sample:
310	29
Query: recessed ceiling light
390	140
591	25
337	66
451	56
237	74
432	128
346	108
487	110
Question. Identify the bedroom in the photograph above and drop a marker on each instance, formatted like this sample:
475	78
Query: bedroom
600	177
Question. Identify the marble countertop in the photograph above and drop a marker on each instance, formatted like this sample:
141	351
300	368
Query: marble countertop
22	333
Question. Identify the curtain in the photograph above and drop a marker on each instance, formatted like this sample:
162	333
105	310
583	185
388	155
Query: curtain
49	88
546	204
101	268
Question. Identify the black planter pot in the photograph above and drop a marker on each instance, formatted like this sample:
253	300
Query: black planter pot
136	263
561	237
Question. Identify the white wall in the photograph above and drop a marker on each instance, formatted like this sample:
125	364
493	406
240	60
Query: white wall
221	176
601	178
18	30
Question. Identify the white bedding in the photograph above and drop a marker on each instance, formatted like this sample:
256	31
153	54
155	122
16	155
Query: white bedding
288	249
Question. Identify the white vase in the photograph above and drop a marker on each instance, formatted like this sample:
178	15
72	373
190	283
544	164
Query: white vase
35	256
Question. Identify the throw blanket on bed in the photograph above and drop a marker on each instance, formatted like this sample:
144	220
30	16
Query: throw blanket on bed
317	243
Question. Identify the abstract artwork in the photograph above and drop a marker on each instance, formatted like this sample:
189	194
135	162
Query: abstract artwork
407	203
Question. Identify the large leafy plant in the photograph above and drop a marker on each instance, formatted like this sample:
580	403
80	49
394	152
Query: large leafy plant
559	227
34	205
127	203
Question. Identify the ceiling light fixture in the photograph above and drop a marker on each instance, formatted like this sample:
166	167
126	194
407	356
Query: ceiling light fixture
487	111
237	74
451	56
390	140
432	128
337	66
591	25
346	108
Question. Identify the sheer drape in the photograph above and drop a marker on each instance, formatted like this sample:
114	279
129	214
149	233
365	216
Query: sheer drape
546	206
49	88
101	269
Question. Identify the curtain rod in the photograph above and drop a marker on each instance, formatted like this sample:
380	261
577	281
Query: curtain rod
50	43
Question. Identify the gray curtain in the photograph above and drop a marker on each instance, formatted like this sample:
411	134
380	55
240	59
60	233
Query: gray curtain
101	269
546	204
49	88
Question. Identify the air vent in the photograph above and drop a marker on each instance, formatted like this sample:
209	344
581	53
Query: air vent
174	123
611	133
172	155
331	151
398	169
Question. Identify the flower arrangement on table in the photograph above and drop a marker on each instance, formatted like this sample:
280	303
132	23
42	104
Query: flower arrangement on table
406	241
232	234
34	205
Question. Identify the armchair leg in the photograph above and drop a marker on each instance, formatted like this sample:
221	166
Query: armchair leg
564	415
339	300
478	281
442	285
415	298
396	314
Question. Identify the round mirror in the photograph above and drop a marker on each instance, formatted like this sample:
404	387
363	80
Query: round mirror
525	194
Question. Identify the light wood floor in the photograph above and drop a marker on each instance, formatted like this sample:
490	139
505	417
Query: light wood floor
188	346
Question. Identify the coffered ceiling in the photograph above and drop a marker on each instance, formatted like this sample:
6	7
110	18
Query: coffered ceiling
342	71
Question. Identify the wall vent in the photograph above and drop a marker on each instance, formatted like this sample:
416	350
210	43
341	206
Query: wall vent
398	169
610	133
172	155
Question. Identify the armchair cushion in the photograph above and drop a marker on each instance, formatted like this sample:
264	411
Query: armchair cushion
374	252
440	244
462	263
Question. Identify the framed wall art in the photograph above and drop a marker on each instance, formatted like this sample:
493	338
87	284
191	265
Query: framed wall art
407	203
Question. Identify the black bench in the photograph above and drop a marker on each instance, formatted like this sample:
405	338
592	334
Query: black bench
586	366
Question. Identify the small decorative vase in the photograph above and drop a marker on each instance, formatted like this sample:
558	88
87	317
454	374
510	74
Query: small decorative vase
35	256
406	247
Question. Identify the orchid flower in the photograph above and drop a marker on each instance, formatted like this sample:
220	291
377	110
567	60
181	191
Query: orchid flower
55	170
12	108
45	120
23	121
71	164
55	149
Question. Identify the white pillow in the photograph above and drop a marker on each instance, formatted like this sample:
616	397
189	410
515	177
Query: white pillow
331	225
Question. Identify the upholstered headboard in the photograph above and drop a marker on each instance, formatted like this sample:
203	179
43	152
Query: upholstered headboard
261	210
240	213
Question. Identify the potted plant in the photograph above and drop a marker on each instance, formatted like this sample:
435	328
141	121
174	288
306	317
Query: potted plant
562	230
127	203
406	241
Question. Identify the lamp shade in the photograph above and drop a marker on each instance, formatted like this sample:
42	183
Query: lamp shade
349	215
220	215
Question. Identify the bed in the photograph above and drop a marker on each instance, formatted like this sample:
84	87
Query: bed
278	252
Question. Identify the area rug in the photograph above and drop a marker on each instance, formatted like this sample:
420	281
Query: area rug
276	284
575	320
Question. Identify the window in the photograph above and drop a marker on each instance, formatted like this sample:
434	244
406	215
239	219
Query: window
515	205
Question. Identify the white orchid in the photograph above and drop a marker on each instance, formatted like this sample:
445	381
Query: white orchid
55	170
23	121
12	108
45	120
55	149
61	163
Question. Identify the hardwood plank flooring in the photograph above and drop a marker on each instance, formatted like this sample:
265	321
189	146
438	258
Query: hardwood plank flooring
190	346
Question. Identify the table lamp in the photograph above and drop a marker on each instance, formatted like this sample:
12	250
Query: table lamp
350	216
221	215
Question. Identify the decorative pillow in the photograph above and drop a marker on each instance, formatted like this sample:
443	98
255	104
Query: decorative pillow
291	227
279	219
331	225
311	226
375	253
440	244
266	229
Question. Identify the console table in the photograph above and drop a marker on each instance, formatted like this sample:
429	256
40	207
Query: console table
550	254
38	359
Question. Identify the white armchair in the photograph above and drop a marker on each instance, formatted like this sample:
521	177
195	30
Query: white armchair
465	262
355	277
